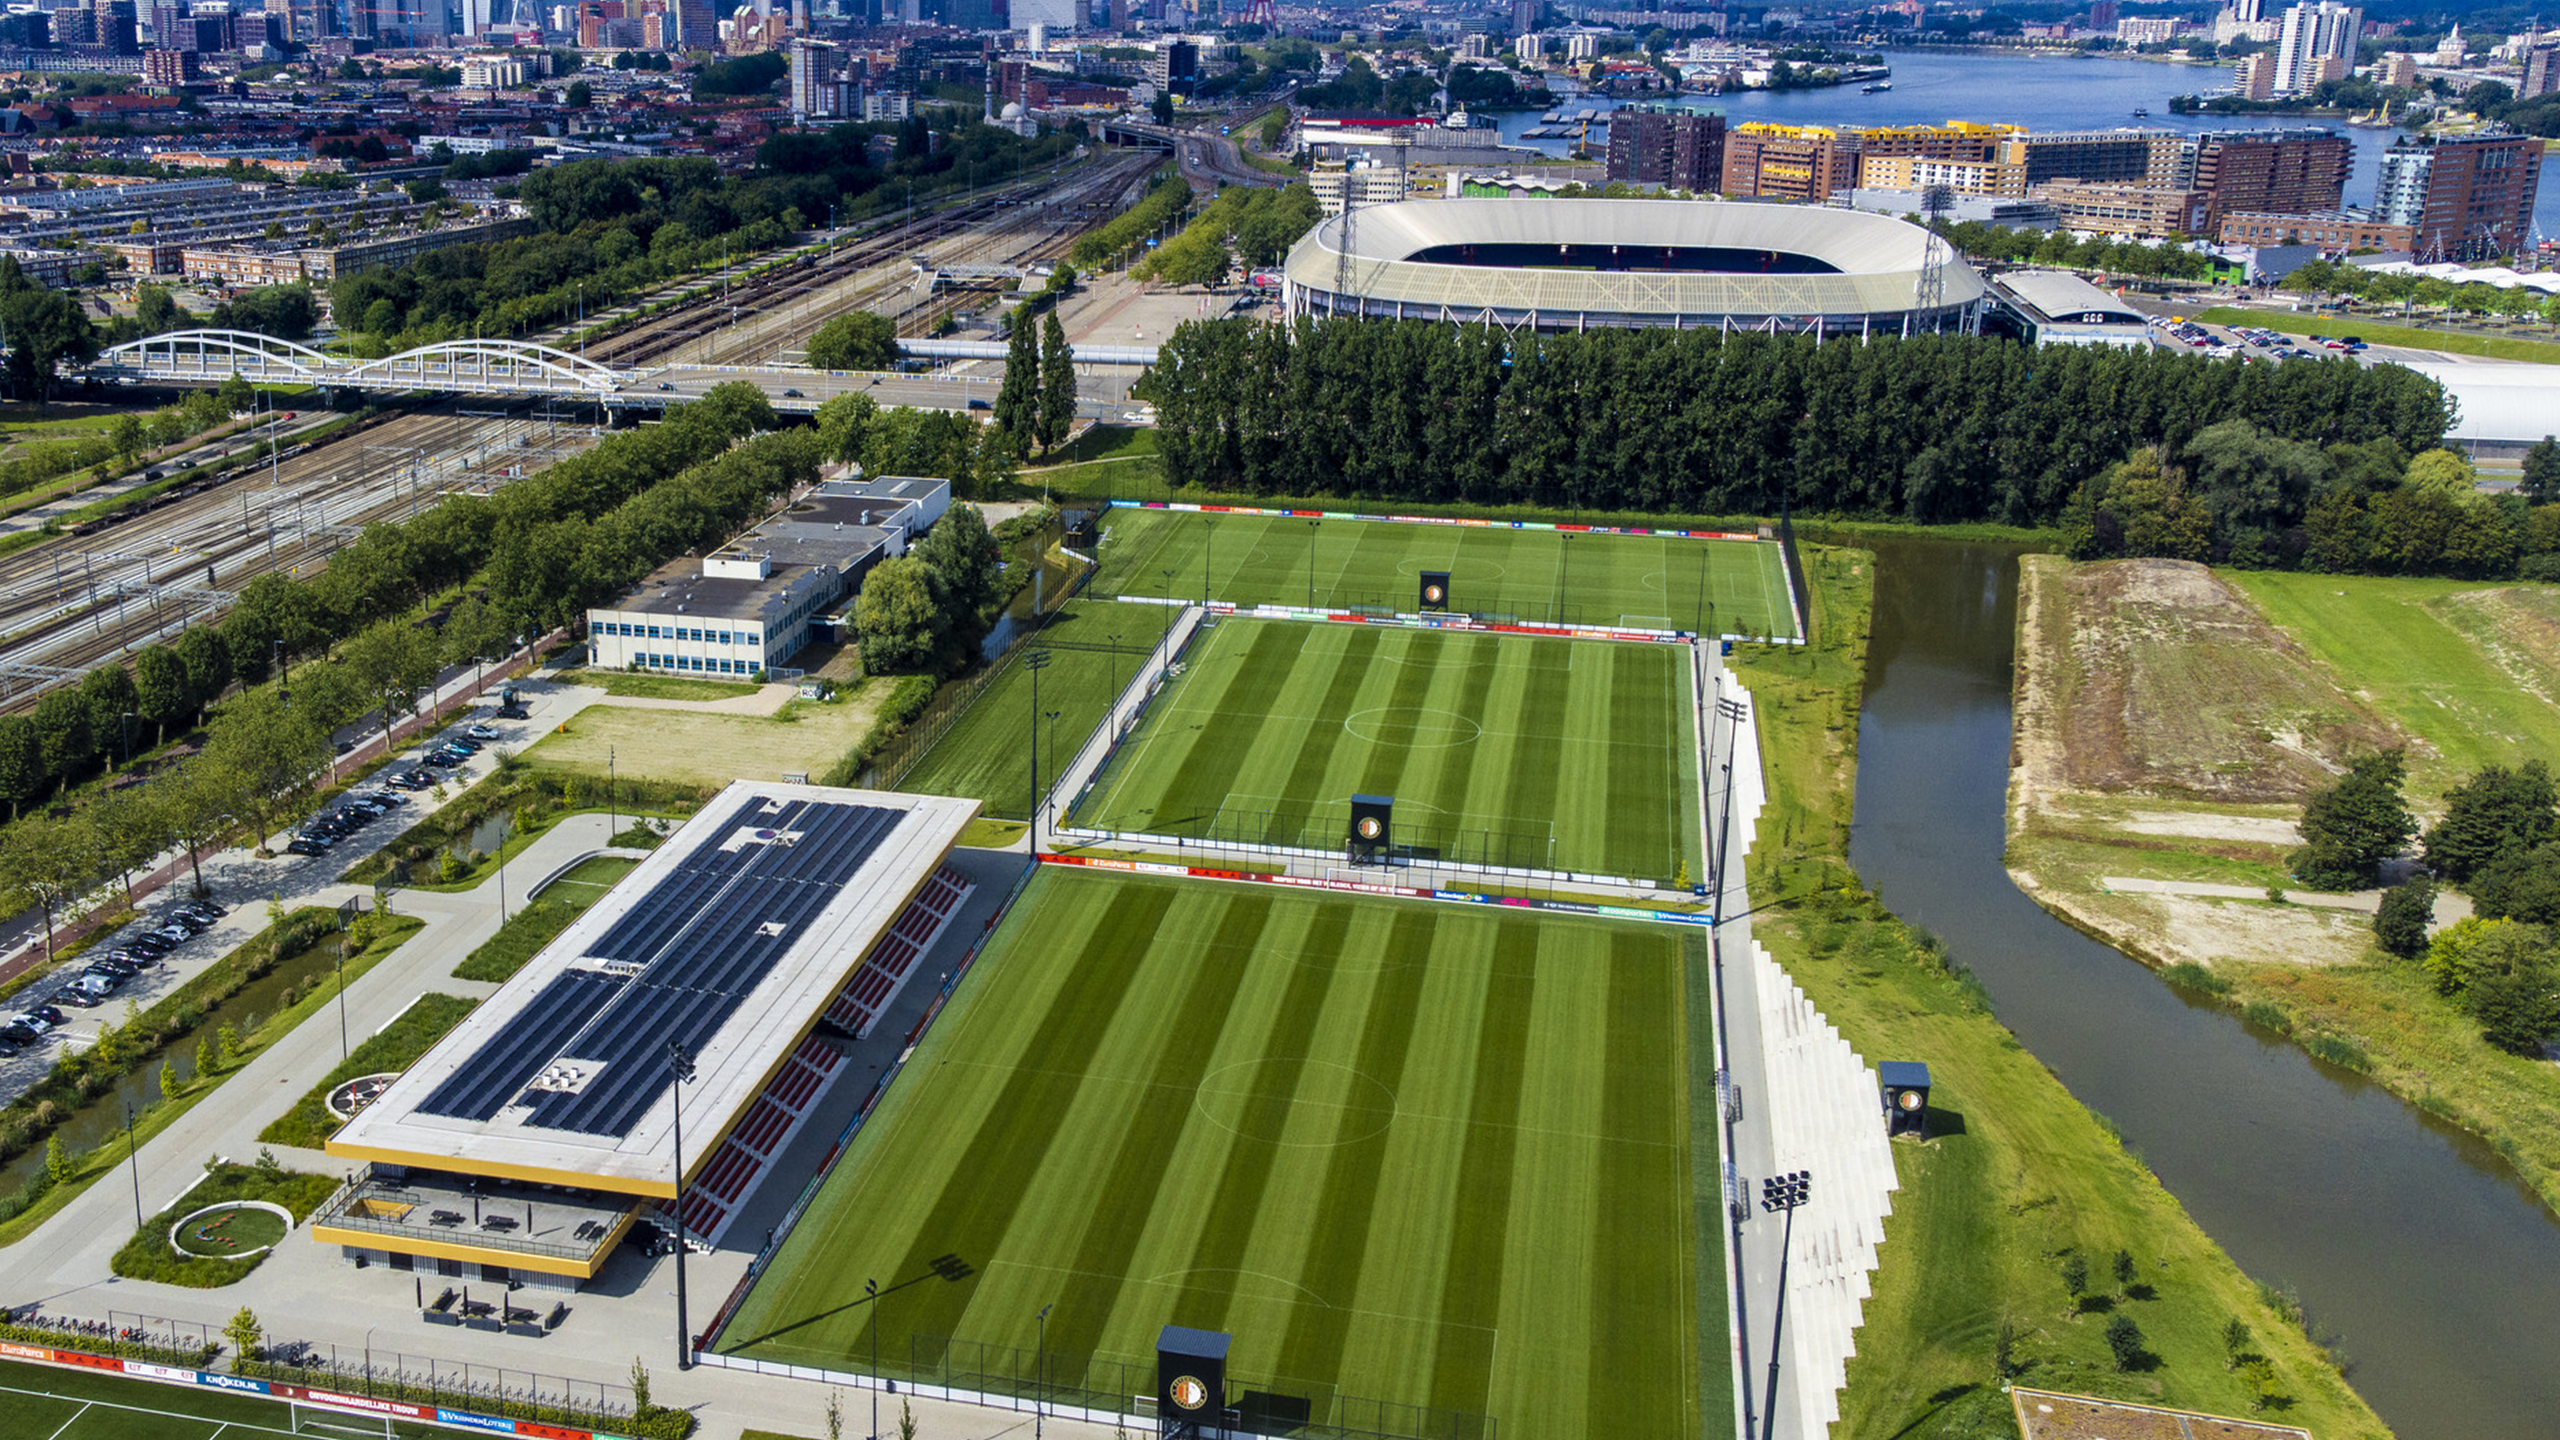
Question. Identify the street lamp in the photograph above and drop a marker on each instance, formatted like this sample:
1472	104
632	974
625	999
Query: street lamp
133	1163
1053	768
1038	660
680	1065
871	1293
125	722
1040	1397
612	800
1312	527
1786	1192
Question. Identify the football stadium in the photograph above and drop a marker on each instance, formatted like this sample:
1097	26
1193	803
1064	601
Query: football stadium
731	967
1570	264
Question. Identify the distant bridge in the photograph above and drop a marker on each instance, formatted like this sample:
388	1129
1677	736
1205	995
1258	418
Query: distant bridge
519	369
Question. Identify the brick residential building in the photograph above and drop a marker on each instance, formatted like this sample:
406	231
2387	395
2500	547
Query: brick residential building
1788	162
2467	197
2336	231
2149	211
2287	172
1667	145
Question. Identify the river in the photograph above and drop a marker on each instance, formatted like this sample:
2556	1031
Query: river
2041	92
2411	1240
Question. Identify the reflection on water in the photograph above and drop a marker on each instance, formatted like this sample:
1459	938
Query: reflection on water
2410	1239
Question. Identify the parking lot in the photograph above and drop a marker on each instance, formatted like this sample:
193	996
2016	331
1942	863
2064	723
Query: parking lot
2250	344
167	944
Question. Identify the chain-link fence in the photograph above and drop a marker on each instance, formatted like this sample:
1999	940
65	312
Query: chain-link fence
1323	828
1093	1381
385	1374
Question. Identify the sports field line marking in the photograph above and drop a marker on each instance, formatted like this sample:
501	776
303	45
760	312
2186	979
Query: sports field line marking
1147	1083
74	1420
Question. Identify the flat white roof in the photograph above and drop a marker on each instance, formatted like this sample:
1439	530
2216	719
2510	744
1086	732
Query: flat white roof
735	935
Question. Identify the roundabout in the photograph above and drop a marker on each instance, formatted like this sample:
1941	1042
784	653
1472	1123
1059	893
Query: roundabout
232	1230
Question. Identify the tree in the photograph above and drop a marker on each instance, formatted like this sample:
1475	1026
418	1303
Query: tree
2355	824
126	435
2445	473
57	1160
23	775
395	659
109	693
2235	1341
2541	482
2124	1338
236	395
1162	109
895	615
196	805
286	312
2494	811
580	95
425	190
47	862
857	341
246	1335
2515	996
2124	1267
70	739
132	829
169	1082
45	328
156	310
268	751
2075	1277
1018	397
639	1384
2400	924
2477	946
1057	411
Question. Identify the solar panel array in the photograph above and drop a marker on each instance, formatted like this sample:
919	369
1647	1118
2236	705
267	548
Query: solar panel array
703	937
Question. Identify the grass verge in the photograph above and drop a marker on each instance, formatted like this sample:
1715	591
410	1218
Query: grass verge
309	1124
641	686
526	932
1993	1206
536	799
149	1255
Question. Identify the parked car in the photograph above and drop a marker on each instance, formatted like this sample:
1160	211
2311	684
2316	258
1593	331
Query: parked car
481	733
133	957
51	1016
387	799
151	945
28	1021
300	846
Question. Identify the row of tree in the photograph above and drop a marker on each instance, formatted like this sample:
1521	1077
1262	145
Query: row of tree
1036	404
2324	277
1249	225
2499	840
1932	429
2237	494
2060	247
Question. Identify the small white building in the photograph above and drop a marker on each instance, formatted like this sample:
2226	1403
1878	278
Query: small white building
753	604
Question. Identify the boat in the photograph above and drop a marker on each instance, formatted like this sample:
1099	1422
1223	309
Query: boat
2139	113
1876	88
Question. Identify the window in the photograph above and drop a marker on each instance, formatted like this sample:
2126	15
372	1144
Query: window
653	632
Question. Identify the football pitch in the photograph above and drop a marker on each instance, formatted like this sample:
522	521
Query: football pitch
1715	587
1574	755
1410	1154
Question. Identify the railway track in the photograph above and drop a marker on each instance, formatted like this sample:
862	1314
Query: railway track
144	576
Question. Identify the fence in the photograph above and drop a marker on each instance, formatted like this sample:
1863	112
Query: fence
125	1334
450	1384
1323	828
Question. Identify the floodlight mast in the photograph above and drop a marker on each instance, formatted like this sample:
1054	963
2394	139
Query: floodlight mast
1786	1193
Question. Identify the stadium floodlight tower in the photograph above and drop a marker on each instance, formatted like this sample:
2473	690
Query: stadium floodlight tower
680	1065
1786	1193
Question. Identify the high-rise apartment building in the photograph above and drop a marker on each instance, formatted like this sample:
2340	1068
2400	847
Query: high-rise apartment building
2119	157
2317	42
2466	197
813	78
1789	162
1667	145
2299	171
2541	73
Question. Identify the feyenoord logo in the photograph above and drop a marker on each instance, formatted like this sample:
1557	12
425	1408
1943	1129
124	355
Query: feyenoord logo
1908	1099
1190	1394
1434	594
1370	829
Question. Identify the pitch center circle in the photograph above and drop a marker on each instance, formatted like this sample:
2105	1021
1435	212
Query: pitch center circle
1413	727
1302	1103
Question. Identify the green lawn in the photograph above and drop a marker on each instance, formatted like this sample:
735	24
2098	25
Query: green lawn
1425	1155
1531	753
642	686
2466	665
1541	576
43	1403
2375	332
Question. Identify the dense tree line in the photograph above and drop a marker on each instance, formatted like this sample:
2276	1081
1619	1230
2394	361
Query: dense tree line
612	228
2499	840
1164	201
2323	277
1930	429
1249	225
2061	247
2237	494
929	609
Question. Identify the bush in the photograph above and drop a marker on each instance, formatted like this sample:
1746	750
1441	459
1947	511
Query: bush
907	700
2188	975
527	931
309	1124
148	1256
2400	925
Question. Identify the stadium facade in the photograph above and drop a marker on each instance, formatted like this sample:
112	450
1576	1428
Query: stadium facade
1576	264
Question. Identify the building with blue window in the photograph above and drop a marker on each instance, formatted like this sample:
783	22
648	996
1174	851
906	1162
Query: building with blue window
750	606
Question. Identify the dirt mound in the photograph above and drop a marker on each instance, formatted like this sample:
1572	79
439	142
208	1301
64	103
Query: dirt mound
2160	678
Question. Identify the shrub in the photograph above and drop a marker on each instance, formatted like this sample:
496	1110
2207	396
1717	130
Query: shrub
2188	975
148	1256
2400	924
2125	1339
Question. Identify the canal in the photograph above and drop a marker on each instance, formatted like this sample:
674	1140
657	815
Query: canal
2411	1240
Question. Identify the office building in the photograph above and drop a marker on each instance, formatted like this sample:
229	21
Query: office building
2316	43
2465	197
753	604
1667	145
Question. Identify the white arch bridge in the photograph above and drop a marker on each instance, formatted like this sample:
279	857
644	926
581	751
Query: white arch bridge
522	369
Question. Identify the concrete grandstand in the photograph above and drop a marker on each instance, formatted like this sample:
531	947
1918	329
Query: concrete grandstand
1574	264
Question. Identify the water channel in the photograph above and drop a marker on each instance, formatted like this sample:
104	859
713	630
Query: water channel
2411	1240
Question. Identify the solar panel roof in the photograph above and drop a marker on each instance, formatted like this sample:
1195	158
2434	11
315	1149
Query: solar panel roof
730	940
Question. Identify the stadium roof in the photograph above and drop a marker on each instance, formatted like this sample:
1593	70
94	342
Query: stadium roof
2512	402
2060	295
1879	262
731	939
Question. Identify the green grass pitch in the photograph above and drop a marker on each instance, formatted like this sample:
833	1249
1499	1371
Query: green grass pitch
1548	754
1414	1153
1093	648
44	1403
1718	587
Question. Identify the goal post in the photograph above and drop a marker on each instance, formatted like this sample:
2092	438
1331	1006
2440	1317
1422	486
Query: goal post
329	1421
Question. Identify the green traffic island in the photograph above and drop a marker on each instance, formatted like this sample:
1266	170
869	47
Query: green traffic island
225	1224
312	1120
530	799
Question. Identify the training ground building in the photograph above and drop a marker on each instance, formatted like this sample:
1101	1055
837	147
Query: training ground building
762	939
2056	307
748	607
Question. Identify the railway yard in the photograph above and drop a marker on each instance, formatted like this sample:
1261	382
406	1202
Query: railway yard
143	574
